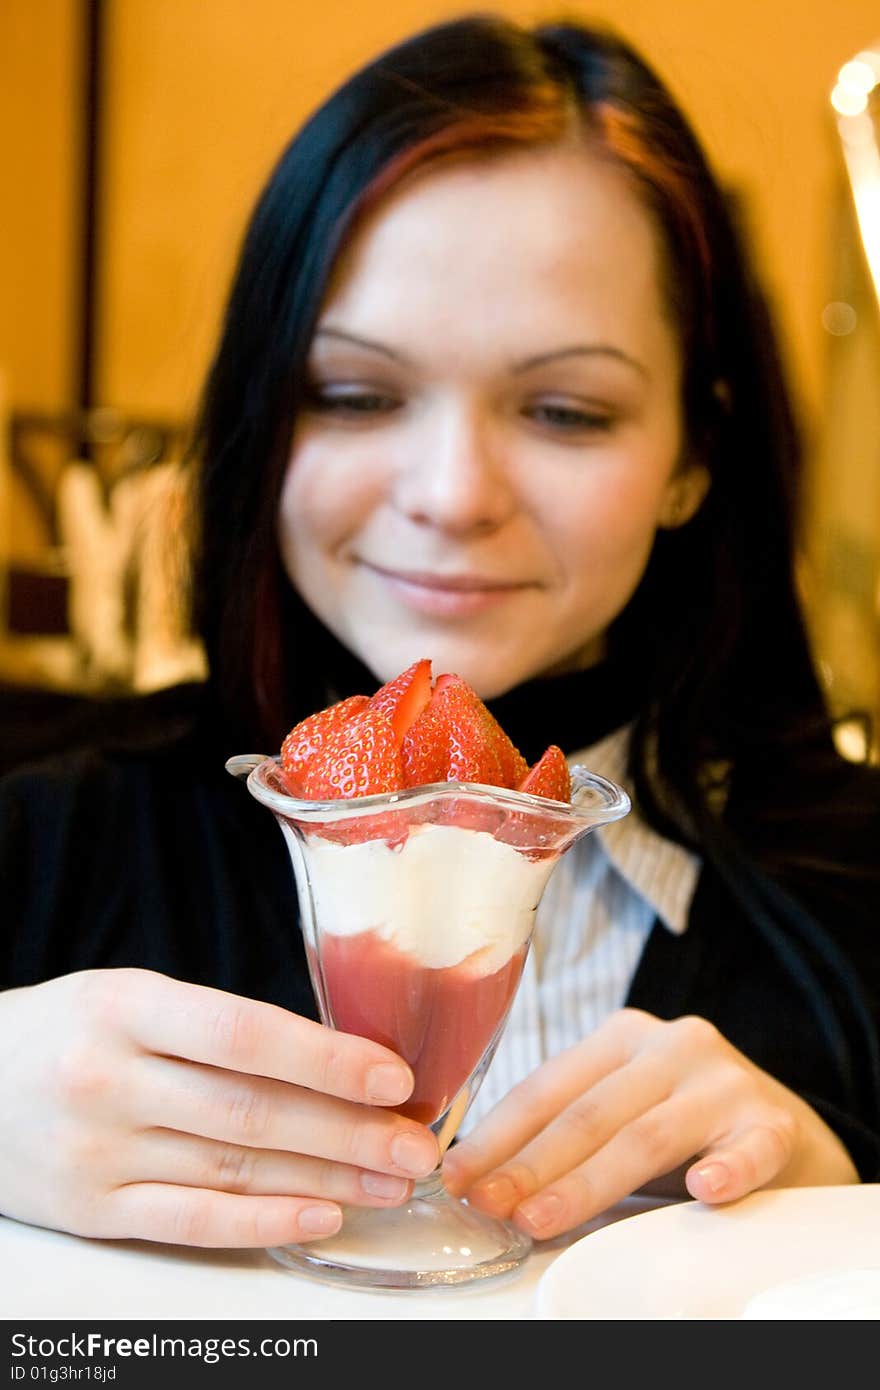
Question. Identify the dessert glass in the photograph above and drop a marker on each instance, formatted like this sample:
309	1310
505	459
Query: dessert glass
417	909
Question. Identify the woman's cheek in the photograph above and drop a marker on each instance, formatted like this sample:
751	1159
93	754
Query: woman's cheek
623	516
608	542
327	496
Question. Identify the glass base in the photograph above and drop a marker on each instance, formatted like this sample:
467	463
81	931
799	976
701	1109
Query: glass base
433	1241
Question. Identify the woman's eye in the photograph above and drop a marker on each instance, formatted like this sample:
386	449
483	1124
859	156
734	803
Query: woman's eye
569	418
350	402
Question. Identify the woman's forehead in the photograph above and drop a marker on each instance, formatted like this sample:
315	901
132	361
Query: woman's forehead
551	240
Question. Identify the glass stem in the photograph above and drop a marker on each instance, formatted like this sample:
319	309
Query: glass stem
429	1187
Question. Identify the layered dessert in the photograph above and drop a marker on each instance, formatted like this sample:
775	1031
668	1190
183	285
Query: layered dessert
422	946
423	910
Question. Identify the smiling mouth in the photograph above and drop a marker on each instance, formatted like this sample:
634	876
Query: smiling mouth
447	583
446	595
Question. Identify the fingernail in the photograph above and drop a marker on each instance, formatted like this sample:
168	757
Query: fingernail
541	1211
320	1221
384	1185
413	1154
714	1175
495	1192
387	1084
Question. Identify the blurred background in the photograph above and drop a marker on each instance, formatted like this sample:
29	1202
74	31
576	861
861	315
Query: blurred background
135	135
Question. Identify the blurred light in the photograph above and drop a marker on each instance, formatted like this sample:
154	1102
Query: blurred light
839	318
857	76
871	57
856	131
863	166
849	101
851	740
860	140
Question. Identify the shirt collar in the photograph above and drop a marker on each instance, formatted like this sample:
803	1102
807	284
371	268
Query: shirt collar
662	872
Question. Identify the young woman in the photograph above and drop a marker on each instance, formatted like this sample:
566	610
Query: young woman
495	387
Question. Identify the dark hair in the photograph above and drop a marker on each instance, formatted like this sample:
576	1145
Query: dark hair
717	605
724	658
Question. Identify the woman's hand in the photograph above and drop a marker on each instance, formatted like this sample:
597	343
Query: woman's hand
633	1102
134	1105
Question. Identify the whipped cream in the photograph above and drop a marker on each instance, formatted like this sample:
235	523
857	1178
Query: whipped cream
441	896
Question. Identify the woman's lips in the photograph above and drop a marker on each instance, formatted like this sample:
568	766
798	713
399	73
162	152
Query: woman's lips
446	596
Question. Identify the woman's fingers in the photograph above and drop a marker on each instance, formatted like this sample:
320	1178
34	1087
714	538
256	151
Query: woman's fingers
255	1160
620	1101
254	1112
682	1091
185	1160
173	1018
655	1142
579	1131
754	1158
191	1216
535	1102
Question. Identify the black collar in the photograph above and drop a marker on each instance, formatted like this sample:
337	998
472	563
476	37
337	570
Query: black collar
573	710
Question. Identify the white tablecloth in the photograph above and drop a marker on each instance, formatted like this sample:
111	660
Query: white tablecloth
47	1275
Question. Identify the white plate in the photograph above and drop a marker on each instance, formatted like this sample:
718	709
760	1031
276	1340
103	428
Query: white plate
696	1261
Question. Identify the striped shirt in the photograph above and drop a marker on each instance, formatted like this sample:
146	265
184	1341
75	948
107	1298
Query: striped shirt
593	921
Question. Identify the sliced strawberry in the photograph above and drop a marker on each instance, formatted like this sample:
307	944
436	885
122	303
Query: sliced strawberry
450	741
513	765
471	758
425	750
407	735
309	737
499	761
359	758
403	699
549	777
537	835
472	755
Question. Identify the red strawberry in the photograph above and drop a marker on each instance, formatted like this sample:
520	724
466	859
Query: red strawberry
310	736
449	742
471	758
549	777
359	758
407	735
425	749
478	741
473	755
403	699
513	765
536	836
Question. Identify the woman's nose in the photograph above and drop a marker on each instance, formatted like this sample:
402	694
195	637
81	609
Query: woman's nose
454	477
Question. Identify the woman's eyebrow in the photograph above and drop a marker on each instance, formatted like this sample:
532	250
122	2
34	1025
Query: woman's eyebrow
369	343
576	350
582	350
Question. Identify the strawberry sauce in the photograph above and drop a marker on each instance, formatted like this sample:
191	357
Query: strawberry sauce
439	1020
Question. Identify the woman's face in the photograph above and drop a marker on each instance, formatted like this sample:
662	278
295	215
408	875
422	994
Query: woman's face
493	433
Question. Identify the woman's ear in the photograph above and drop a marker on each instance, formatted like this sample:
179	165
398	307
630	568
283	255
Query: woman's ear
684	496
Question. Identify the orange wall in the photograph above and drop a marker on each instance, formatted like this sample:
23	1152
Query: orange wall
201	94
39	56
204	93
